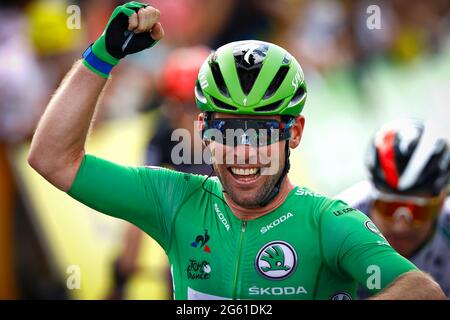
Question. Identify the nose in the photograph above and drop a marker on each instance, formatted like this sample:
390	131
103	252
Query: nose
245	153
402	220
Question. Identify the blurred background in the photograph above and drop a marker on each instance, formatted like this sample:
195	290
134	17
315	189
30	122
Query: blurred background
361	71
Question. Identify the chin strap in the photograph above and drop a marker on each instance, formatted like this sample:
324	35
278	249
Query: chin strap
276	189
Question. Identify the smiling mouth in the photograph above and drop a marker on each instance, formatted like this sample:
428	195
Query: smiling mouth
245	175
244	171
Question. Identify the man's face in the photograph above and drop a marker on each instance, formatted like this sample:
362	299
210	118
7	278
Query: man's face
249	173
402	231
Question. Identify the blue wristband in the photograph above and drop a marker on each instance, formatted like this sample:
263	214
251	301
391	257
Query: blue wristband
95	63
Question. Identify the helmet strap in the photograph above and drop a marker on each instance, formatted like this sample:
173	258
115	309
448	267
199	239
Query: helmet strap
276	189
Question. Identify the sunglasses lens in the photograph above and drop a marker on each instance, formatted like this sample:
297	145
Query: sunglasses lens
419	213
251	132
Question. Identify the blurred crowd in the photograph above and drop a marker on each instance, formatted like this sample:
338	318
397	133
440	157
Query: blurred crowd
37	48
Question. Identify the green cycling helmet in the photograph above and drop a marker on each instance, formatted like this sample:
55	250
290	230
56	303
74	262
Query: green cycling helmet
251	78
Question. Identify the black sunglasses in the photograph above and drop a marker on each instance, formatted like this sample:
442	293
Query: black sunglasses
254	132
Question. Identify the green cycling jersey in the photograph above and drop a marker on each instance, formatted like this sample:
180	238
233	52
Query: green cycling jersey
310	247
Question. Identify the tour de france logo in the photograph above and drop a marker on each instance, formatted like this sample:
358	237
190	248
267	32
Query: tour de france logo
276	260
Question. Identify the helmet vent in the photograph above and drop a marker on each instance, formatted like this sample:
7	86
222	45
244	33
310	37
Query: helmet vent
223	105
247	78
199	92
276	81
249	57
299	94
269	107
218	78
286	59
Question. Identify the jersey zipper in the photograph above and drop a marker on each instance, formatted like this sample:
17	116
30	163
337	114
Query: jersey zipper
238	263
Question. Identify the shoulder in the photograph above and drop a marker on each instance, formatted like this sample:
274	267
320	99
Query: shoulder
337	217
358	196
308	199
322	206
343	228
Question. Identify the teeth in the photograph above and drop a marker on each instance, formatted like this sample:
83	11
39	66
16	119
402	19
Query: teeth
244	172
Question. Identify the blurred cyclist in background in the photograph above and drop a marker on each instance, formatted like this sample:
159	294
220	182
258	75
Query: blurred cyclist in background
407	196
179	109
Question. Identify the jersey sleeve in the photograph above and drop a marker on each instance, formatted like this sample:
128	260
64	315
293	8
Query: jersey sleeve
148	197
353	246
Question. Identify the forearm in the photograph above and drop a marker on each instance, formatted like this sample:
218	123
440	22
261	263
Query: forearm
413	285
58	144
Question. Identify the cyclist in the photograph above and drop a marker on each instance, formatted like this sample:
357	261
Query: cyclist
249	233
179	109
407	195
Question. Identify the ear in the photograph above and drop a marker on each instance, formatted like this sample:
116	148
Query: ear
201	127
297	132
200	123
